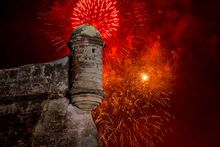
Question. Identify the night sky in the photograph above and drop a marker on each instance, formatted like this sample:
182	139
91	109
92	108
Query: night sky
196	100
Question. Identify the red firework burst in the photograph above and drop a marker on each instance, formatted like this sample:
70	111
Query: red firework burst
100	13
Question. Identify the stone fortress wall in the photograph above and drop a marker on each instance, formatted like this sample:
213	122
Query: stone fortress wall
50	104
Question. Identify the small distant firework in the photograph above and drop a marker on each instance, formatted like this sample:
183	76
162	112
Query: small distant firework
102	14
145	77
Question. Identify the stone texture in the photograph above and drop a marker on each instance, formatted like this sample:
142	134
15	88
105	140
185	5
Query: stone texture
62	124
17	122
35	109
34	79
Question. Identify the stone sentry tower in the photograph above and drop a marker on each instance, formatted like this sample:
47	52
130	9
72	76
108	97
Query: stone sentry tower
86	47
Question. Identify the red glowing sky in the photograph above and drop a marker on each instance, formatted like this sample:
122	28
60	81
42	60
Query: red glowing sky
189	28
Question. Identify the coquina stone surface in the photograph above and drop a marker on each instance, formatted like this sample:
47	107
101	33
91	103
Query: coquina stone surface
35	109
62	124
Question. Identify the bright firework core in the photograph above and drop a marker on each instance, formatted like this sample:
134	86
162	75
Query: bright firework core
145	77
102	14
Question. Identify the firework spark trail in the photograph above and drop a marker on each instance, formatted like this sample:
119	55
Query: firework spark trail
55	16
134	112
131	34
